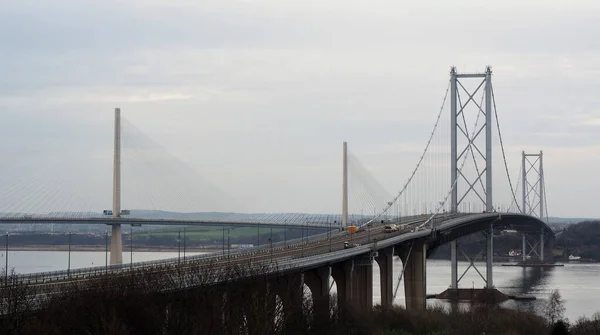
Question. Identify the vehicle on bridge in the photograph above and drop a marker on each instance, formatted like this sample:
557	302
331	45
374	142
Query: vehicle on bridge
348	245
390	228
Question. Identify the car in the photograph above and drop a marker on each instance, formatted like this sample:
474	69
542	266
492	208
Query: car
348	245
390	228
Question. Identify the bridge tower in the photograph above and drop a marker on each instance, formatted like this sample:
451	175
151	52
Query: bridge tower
457	155
345	187
116	240
533	188
455	129
533	194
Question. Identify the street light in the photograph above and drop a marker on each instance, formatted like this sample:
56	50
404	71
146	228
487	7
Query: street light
228	244
302	244
69	262
330	234
131	247
285	233
106	251
6	268
179	248
271	243
223	243
184	244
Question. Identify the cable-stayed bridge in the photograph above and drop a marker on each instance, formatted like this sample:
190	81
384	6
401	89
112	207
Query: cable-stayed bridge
449	192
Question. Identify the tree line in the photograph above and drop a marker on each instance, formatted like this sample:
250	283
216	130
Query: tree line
201	298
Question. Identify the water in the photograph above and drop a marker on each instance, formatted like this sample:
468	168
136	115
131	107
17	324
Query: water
577	283
42	261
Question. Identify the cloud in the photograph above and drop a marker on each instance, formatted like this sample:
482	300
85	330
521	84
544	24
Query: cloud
258	95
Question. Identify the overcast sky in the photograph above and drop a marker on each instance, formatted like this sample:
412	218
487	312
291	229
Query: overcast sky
258	96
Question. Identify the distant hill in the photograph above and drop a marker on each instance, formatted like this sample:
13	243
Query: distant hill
556	222
581	239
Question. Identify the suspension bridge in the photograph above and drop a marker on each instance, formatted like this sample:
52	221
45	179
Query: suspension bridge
451	192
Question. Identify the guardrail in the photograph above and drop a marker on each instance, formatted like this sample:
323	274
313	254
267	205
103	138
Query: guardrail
61	275
98	270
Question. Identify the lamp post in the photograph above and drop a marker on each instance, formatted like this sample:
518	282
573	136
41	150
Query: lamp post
257	234
228	244
306	225
271	243
184	244
223	243
106	251
302	243
69	261
6	267
179	248
131	247
285	233
330	235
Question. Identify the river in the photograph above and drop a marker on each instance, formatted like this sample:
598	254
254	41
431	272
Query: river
577	283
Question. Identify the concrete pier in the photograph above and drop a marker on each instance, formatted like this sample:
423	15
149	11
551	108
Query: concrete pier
385	260
289	289
362	286
317	281
342	274
415	275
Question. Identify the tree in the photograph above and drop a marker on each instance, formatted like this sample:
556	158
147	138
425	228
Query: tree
555	307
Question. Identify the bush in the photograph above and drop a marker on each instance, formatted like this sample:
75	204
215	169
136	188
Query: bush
187	300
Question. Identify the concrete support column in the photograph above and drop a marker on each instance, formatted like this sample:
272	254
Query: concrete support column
415	275
116	245
290	289
362	285
385	260
489	261
342	274
453	265
524	249
259	308
318	282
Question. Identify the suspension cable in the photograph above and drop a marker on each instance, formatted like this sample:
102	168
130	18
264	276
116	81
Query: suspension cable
545	199
517	187
512	190
462	165
437	121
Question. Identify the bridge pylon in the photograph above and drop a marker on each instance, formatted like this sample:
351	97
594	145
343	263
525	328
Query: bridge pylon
533	194
458	155
533	188
116	240
345	187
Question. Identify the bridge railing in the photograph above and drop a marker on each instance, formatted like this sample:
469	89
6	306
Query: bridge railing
103	270
100	270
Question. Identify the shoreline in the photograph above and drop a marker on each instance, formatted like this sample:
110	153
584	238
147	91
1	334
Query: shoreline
103	248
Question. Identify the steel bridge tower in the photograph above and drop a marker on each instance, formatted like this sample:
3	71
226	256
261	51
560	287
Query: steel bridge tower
533	196
459	178
533	188
457	109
